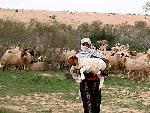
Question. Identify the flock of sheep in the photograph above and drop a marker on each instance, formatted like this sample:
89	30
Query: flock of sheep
20	59
135	65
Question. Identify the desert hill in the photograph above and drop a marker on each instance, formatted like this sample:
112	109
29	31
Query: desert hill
69	18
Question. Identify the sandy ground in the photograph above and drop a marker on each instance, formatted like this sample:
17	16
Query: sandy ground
70	18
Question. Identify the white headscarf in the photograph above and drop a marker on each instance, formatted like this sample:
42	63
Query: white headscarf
85	48
86	40
88	52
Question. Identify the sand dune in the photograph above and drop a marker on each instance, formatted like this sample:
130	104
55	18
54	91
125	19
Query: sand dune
70	18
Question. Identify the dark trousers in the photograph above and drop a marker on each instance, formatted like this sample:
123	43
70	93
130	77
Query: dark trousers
91	95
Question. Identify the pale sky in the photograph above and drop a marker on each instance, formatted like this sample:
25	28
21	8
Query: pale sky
105	6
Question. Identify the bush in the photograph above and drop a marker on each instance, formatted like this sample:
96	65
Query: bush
53	58
140	24
35	33
57	35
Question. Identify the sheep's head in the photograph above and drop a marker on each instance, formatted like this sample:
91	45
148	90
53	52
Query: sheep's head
102	42
133	53
118	44
23	53
72	60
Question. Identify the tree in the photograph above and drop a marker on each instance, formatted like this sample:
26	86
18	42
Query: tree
146	8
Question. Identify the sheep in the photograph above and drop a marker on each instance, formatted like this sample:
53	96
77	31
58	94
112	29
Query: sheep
136	65
145	56
119	47
112	58
36	66
94	65
103	47
14	50
9	59
17	58
1	65
26	59
64	57
102	42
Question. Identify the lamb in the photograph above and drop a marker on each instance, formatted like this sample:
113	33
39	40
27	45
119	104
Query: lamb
94	65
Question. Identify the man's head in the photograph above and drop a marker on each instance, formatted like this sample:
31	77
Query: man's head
86	44
87	40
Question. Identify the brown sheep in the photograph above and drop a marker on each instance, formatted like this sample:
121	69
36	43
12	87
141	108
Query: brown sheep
9	59
26	59
136	65
36	66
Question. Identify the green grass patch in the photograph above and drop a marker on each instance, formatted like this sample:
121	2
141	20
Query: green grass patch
115	81
4	110
13	83
118	92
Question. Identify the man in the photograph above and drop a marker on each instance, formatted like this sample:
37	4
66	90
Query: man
88	50
89	87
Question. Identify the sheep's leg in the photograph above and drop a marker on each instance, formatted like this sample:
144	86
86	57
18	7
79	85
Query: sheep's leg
101	82
26	67
82	70
79	80
133	74
143	76
4	67
139	75
128	74
79	95
72	73
75	76
82	77
124	71
71	70
16	67
82	74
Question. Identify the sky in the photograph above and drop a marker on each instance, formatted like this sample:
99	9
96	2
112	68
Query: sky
103	6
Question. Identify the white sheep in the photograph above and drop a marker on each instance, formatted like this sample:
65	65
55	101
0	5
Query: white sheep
94	65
